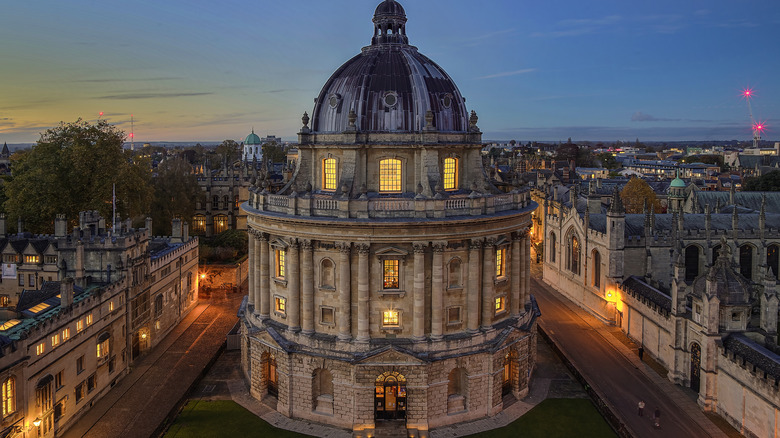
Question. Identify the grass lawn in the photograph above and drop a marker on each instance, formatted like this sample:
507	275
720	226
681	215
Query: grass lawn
557	418
220	418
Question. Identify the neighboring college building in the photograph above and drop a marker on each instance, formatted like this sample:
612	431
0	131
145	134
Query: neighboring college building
67	342
389	280
223	191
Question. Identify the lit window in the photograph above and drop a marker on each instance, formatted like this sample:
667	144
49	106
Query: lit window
40	349
8	324
390	175
450	174
220	223
281	256
38	308
390	274
55	340
89	319
500	262
280	304
199	223
102	349
390	318
9	395
500	304
329	174
79	325
111	306
32	259
65	334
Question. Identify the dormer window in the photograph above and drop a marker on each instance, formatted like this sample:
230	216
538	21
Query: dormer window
32	259
390	175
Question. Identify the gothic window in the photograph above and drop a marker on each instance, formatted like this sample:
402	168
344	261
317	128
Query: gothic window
772	259
746	261
43	393
596	269
9	396
327	274
281	256
552	247
390	175
103	347
454	274
215	202
715	253
573	253
158	305
199	223
390	274
329	174
500	262
450	174
220	223
226	202
691	262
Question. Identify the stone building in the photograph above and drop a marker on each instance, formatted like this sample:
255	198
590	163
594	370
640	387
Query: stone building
389	280
67	342
222	193
698	290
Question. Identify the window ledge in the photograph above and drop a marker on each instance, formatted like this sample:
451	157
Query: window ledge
500	281
454	288
392	328
327	289
280	315
280	281
392	293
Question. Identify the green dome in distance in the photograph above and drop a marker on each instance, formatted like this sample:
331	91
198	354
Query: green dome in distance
677	182
252	139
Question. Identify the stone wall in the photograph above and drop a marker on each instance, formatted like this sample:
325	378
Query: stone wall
747	399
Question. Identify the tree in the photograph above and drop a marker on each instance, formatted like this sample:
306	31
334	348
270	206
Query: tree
274	153
608	160
230	151
769	182
73	167
175	193
636	194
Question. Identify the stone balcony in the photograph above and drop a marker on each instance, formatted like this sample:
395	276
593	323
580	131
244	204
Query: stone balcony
373	206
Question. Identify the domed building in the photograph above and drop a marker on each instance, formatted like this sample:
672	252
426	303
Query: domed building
389	280
253	148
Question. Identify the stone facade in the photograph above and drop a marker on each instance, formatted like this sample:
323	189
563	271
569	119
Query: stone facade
223	192
389	280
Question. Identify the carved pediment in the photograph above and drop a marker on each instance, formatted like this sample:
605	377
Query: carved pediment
390	357
391	252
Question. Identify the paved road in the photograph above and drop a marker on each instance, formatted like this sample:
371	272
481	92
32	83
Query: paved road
617	374
142	400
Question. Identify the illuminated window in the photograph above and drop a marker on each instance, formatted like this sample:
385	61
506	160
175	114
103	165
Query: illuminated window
220	223
390	274
111	306
65	334
450	173
79	325
280	304
500	262
329	174
40	349
281	257
55	340
199	223
4	301
500	304
8	324
9	396
32	259
390	318
102	349
236	202
390	175
38	308
89	319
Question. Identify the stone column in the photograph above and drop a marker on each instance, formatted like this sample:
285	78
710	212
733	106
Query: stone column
307	287
437	292
254	269
418	330
363	293
488	274
472	292
293	287
265	277
526	259
517	276
345	299
251	290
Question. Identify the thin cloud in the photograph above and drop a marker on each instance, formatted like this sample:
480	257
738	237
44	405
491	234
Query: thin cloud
639	116
108	80
611	133
473	41
151	96
509	73
581	26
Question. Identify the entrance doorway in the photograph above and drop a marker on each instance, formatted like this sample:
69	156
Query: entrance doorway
270	372
390	396
695	366
510	371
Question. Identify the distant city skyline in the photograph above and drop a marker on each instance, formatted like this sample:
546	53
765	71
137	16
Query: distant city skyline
546	71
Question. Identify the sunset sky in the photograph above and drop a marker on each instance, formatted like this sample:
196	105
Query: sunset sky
543	70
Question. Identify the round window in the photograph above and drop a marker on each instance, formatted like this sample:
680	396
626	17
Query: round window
333	101
447	101
390	99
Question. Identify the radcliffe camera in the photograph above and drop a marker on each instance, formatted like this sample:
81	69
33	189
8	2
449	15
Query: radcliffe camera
385	219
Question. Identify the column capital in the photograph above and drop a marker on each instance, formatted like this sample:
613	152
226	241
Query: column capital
439	246
344	247
490	242
306	245
521	234
419	247
263	236
363	248
475	244
293	243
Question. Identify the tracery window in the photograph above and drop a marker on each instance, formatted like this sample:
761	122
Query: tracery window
329	174
596	269
573	247
390	175
9	396
220	223
450	173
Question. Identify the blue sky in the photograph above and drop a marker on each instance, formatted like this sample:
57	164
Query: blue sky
542	70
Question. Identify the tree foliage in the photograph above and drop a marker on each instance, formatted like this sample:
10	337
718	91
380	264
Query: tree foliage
274	153
636	194
175	193
607	160
73	168
706	159
229	151
769	182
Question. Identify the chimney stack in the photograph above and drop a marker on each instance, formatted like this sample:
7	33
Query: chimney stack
149	226
66	293
176	230
60	226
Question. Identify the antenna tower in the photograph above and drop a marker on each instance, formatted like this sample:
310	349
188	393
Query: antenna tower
758	127
132	135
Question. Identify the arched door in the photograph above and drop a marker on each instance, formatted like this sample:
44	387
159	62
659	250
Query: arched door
390	396
270	372
695	366
510	370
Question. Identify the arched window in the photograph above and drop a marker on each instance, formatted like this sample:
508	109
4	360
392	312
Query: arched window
226	202
220	223
573	253
269	373
772	259
746	261
552	247
43	393
199	223
596	269
456	390
691	262
450	174
215	203
329	174
322	391
327	274
390	175
454	274
9	396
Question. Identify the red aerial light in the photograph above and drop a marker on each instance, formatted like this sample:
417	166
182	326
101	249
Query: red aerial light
131	135
747	93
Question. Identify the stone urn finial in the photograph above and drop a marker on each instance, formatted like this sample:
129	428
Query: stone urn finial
473	119
429	120
352	118
305	119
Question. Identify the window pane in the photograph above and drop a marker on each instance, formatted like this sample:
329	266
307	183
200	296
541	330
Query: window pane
390	274
329	174
390	175
450	174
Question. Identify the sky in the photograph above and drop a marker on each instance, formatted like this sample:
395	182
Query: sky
195	70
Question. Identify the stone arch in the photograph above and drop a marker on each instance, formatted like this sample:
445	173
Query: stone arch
269	378
455	273
573	252
596	257
327	274
692	261
457	390
511	372
746	257
322	391
552	247
715	253
390	396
